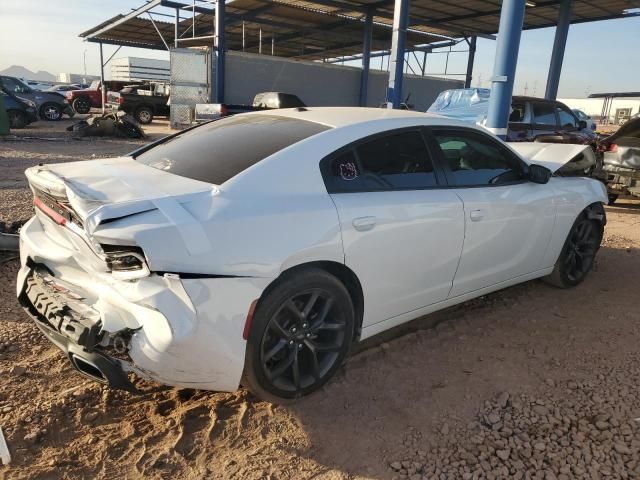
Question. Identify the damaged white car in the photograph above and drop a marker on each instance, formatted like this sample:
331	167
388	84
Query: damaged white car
260	247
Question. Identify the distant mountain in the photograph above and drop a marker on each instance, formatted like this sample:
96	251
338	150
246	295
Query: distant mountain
22	72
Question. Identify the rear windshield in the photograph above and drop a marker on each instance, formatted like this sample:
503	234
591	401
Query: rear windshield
218	151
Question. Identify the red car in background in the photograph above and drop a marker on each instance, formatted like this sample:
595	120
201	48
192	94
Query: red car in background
84	100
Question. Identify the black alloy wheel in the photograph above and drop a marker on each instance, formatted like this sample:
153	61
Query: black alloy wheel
302	331
581	249
578	253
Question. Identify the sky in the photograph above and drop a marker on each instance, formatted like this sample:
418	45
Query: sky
600	56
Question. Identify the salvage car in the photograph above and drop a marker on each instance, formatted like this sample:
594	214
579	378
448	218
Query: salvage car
260	247
51	105
531	119
621	160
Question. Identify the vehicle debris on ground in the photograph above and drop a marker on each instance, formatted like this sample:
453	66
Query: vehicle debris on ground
108	125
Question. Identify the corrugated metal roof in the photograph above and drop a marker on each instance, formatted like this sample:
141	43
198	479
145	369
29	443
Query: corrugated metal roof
321	29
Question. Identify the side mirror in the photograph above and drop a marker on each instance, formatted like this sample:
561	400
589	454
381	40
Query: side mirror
539	174
582	124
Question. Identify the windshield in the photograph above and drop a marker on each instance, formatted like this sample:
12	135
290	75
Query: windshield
220	150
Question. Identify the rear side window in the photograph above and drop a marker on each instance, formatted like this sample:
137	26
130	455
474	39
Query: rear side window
544	114
220	150
397	161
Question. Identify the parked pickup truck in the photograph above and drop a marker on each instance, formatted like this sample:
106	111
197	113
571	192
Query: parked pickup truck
84	100
262	101
142	101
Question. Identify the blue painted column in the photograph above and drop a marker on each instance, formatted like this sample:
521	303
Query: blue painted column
504	67
559	44
220	52
396	59
366	57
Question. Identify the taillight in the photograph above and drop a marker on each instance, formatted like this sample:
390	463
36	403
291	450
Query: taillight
223	110
120	100
125	262
49	212
612	147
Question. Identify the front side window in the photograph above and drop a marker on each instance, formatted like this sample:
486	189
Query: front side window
218	151
567	120
517	113
475	160
397	161
544	114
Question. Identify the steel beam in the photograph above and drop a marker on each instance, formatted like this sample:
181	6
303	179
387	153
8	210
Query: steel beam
470	59
366	57
175	29
103	89
398	41
557	55
219	43
125	18
504	67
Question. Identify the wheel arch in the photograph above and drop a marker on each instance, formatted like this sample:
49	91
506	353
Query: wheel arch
343	273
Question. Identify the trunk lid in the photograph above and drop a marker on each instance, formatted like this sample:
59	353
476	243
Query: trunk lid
87	193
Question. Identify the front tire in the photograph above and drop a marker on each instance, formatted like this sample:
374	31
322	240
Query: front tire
51	112
578	253
302	330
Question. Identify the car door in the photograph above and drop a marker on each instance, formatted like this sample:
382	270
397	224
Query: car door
508	219
544	127
402	233
519	122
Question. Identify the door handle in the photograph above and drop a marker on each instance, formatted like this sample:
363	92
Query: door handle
476	215
363	224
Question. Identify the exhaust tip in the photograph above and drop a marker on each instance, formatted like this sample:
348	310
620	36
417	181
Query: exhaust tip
88	369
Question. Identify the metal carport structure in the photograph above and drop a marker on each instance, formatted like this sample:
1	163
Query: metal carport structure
327	29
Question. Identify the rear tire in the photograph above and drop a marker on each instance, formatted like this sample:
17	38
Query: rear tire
144	115
578	253
612	198
17	119
81	105
301	332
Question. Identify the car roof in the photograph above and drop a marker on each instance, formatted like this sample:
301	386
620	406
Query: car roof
337	117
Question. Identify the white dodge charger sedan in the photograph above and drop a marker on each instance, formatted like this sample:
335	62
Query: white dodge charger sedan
260	247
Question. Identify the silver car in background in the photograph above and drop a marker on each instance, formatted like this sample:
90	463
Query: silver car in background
621	160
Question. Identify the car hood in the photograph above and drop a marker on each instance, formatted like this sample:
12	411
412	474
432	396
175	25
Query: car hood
556	156
108	189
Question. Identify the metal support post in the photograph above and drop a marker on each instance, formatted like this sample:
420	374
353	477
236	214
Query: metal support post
557	55
470	59
220	45
504	68
366	57
103	89
396	58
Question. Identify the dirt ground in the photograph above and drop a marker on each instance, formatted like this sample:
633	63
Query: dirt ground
529	382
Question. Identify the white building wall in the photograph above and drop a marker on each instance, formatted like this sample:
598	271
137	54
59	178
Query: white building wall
593	106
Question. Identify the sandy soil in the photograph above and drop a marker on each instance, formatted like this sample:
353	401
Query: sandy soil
417	402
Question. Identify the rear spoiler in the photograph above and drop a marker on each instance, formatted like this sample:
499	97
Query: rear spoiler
556	156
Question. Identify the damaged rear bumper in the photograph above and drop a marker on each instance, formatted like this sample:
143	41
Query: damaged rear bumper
184	332
72	332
